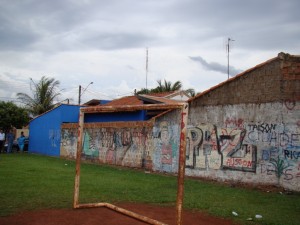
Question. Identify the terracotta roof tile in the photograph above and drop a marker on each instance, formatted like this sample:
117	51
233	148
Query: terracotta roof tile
128	100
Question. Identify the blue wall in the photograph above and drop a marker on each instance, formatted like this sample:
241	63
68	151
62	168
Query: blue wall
113	117
44	131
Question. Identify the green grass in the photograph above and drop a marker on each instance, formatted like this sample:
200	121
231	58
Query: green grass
29	182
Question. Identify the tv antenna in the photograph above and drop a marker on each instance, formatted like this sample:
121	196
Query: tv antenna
228	50
146	67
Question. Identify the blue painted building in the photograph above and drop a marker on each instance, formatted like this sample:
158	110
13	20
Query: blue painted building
44	130
139	115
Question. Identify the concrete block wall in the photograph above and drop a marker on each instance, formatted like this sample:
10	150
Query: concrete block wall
118	143
248	128
275	80
166	142
148	145
254	143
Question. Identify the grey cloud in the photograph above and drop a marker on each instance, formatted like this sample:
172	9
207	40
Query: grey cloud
214	66
249	22
116	40
16	40
194	21
123	24
72	25
15	36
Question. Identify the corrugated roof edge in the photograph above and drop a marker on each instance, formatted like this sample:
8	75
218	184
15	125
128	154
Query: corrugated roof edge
159	100
124	108
54	109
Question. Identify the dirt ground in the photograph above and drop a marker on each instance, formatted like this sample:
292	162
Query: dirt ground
105	216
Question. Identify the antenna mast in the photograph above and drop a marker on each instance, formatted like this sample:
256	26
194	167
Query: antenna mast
228	50
146	67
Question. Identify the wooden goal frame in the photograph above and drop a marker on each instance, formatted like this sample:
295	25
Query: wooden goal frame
181	164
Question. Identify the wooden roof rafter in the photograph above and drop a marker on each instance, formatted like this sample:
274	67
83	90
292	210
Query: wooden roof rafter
130	108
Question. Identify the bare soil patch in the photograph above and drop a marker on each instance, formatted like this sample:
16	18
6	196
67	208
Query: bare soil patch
105	216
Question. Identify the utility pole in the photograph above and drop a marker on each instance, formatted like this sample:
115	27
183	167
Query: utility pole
81	92
228	49
146	68
79	95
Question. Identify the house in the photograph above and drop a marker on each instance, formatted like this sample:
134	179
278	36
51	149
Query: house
179	95
45	135
121	133
45	132
137	115
94	102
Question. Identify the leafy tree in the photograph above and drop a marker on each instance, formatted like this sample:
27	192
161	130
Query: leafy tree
143	91
191	92
44	93
12	116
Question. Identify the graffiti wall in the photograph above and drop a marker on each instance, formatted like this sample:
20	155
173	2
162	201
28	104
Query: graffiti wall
152	147
68	145
209	146
129	146
166	142
251	143
254	143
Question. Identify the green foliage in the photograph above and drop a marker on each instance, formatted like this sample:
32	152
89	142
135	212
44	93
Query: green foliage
279	165
191	92
166	86
12	116
30	182
143	91
44	92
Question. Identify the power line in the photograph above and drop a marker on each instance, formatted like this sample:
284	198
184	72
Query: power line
96	93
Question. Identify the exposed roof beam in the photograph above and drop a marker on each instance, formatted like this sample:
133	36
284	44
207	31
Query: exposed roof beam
128	108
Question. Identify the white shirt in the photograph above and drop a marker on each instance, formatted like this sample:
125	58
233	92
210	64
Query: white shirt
2	136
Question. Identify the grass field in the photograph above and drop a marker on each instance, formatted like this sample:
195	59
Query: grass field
29	182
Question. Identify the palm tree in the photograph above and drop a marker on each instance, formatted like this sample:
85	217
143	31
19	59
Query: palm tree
167	86
44	93
191	92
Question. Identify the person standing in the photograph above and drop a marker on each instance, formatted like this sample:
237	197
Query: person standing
10	140
2	140
21	142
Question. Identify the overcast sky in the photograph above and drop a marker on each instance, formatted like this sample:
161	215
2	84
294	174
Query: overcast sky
105	42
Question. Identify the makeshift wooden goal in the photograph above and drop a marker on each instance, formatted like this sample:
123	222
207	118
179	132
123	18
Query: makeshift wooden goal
181	164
